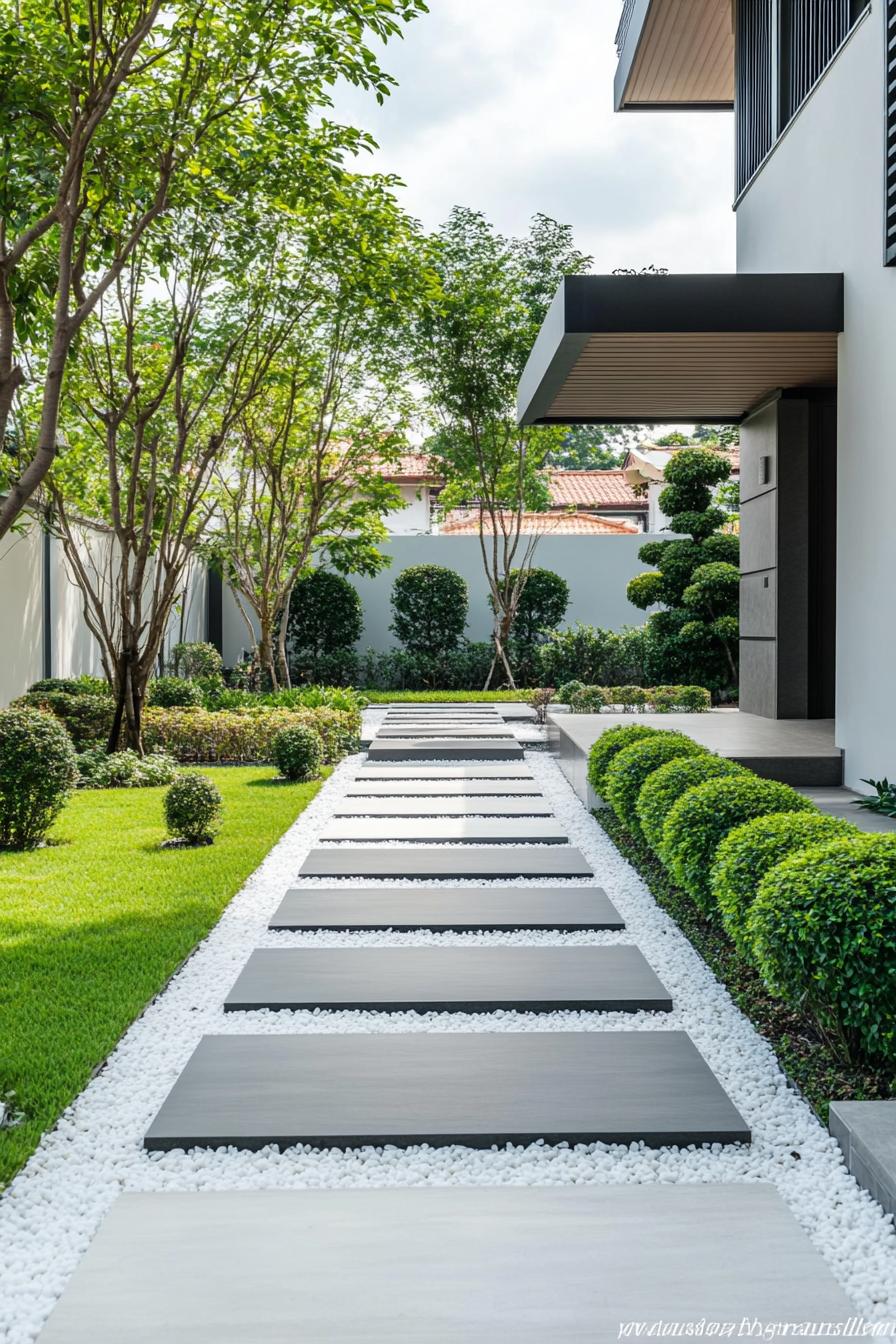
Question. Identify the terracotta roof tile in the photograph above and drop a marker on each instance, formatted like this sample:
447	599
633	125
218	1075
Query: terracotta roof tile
553	524
594	490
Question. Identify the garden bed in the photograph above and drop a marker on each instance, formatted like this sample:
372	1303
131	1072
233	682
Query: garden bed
445	697
94	924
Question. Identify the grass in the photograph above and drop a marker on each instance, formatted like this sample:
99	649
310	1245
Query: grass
816	1069
94	924
444	697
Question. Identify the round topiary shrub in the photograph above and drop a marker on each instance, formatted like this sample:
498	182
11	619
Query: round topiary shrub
298	752
823	930
37	773
606	747
662	790
588	700
698	823
750	851
568	690
429	609
193	808
541	607
631	767
325	620
196	659
173	693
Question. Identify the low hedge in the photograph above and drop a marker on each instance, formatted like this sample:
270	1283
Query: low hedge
662	790
698	823
750	851
823	928
87	715
631	767
193	735
632	699
606	747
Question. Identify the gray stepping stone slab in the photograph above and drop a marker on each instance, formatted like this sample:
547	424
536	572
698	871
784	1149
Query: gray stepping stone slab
470	1088
449	979
461	909
446	861
430	806
563	1264
489	733
393	770
446	830
496	789
444	749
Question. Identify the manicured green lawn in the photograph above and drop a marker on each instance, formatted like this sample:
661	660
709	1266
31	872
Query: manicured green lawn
92	926
443	697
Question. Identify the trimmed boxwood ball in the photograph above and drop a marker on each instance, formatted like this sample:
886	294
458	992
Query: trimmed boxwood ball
568	690
37	772
173	693
429	609
823	928
662	790
750	851
631	767
608	744
193	808
698	823
298	753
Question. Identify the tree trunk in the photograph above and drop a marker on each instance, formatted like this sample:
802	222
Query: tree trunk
282	660
266	654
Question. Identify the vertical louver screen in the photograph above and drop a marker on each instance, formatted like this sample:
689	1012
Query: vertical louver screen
890	175
811	32
753	94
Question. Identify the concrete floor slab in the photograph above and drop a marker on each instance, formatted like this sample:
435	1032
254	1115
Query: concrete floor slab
449	979
393	770
429	805
461	909
444	749
475	1089
568	1265
446	861
445	830
843	803
445	789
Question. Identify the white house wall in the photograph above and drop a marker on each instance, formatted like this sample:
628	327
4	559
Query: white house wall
21	606
817	205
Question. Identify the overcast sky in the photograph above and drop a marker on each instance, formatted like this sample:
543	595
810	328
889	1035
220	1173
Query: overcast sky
507	106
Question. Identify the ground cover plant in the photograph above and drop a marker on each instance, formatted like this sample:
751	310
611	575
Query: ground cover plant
106	913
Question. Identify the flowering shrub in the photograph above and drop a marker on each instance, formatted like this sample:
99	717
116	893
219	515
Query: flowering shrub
244	734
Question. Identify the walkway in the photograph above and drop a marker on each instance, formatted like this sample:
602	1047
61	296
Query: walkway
374	1013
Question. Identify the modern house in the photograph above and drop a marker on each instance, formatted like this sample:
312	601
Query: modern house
798	347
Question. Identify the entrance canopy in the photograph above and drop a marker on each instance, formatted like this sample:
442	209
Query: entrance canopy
665	348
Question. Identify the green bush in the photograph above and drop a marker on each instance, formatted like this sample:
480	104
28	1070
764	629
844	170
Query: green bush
587	700
593	656
87	715
628	698
452	670
662	790
429	609
85	685
232	736
37	772
99	769
568	690
823	930
193	809
685	699
541	607
173	693
198	659
750	851
325	620
606	747
627	772
698	823
298	752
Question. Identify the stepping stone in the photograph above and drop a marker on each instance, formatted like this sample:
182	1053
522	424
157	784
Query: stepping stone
431	806
444	749
445	789
489	732
446	831
564	1264
470	1088
446	861
449	979
483	770
461	909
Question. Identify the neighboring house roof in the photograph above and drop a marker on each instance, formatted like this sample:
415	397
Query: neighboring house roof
648	462
411	469
594	490
554	524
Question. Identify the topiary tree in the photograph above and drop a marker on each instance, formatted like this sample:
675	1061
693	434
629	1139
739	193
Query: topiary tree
750	851
298	753
541	606
193	808
429	609
37	772
631	767
606	747
325	617
823	933
662	790
696	580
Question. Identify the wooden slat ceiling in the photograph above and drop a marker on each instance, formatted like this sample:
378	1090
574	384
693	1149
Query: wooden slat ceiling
694	375
686	55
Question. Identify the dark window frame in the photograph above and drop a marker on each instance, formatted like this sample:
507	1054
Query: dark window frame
890	133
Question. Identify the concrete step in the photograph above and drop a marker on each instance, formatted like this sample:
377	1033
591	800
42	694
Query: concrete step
429	805
456	862
393	770
444	749
444	789
445	830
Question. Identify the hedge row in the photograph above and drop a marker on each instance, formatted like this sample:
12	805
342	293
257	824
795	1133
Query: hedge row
807	898
200	735
656	699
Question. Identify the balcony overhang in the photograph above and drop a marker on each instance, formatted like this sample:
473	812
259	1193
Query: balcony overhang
675	55
641	349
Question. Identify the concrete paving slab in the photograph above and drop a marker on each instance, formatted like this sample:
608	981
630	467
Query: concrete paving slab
488	732
445	830
569	1265
445	789
470	1088
393	770
866	1131
444	749
449	979
428	805
446	861
461	909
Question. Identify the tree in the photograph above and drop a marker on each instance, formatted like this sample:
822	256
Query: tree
472	347
694	639
593	447
112	115
722	436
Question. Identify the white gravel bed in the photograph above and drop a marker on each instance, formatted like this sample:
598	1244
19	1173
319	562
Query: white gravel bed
52	1209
